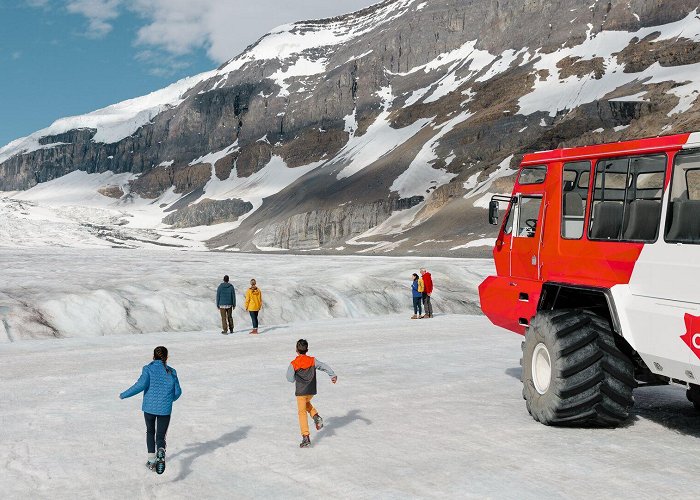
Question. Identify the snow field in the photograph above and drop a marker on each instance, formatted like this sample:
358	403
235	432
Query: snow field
97	292
422	409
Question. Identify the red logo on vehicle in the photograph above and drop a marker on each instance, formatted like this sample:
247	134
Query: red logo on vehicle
692	334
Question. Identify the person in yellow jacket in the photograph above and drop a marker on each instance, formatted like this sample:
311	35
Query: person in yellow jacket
253	304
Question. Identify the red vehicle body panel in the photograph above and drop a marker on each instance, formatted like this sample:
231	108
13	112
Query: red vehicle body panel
583	262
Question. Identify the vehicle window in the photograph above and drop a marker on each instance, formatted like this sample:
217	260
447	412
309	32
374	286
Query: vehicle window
570	176
574	197
529	215
683	217
692	178
508	227
584	179
532	175
627	199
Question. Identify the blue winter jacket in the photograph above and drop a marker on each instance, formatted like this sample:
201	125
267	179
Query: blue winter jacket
159	387
225	295
414	289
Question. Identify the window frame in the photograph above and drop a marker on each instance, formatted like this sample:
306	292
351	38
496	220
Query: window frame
520	197
628	185
669	208
579	174
533	167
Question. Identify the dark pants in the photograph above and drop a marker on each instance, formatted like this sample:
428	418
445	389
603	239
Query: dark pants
254	318
226	318
156	429
427	305
417	307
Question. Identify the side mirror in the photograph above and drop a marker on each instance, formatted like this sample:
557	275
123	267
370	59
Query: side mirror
493	212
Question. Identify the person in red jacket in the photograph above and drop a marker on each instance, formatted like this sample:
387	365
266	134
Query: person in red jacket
427	292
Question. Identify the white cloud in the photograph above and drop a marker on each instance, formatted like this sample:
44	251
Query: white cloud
99	14
225	28
172	29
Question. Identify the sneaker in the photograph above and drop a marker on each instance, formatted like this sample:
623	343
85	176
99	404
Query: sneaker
305	442
151	466
160	461
318	421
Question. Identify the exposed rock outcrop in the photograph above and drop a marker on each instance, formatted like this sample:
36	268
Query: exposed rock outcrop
208	212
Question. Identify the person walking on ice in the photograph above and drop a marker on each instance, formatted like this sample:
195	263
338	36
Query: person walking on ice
226	303
160	387
427	292
253	304
302	371
417	288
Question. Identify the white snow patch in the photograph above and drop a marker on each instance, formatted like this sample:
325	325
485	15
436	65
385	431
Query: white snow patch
379	140
483	242
638	97
213	158
419	176
302	67
554	94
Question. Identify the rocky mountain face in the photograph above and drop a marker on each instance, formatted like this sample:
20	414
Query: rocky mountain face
382	130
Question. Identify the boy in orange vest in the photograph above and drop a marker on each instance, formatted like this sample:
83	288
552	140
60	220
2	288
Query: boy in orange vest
303	371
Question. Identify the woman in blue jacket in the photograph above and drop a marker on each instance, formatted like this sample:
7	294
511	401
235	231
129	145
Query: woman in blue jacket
417	288
160	388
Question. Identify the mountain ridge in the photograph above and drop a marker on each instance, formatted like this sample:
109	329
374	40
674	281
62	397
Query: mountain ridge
389	138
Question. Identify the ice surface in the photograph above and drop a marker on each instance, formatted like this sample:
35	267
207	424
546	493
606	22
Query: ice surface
422	409
103	292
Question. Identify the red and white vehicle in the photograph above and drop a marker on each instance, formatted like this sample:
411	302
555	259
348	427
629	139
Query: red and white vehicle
598	265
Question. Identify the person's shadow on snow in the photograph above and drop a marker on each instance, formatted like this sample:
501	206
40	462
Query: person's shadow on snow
334	423
194	451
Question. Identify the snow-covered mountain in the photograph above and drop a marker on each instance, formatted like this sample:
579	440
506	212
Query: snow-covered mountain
385	130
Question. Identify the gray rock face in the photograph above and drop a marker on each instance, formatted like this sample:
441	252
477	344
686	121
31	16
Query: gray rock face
208	212
318	228
307	123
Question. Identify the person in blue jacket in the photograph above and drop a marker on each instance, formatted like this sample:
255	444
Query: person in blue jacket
226	303
160	388
417	288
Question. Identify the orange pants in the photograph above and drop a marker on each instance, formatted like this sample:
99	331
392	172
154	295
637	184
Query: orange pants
304	406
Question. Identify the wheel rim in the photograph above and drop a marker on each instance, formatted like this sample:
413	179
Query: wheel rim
541	368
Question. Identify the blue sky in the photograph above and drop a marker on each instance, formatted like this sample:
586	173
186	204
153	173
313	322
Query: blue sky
67	57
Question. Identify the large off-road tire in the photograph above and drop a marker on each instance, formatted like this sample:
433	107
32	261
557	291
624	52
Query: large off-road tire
693	395
573	374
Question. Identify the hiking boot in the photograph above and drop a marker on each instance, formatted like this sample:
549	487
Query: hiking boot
415	316
160	461
305	442
318	421
254	331
421	316
223	332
